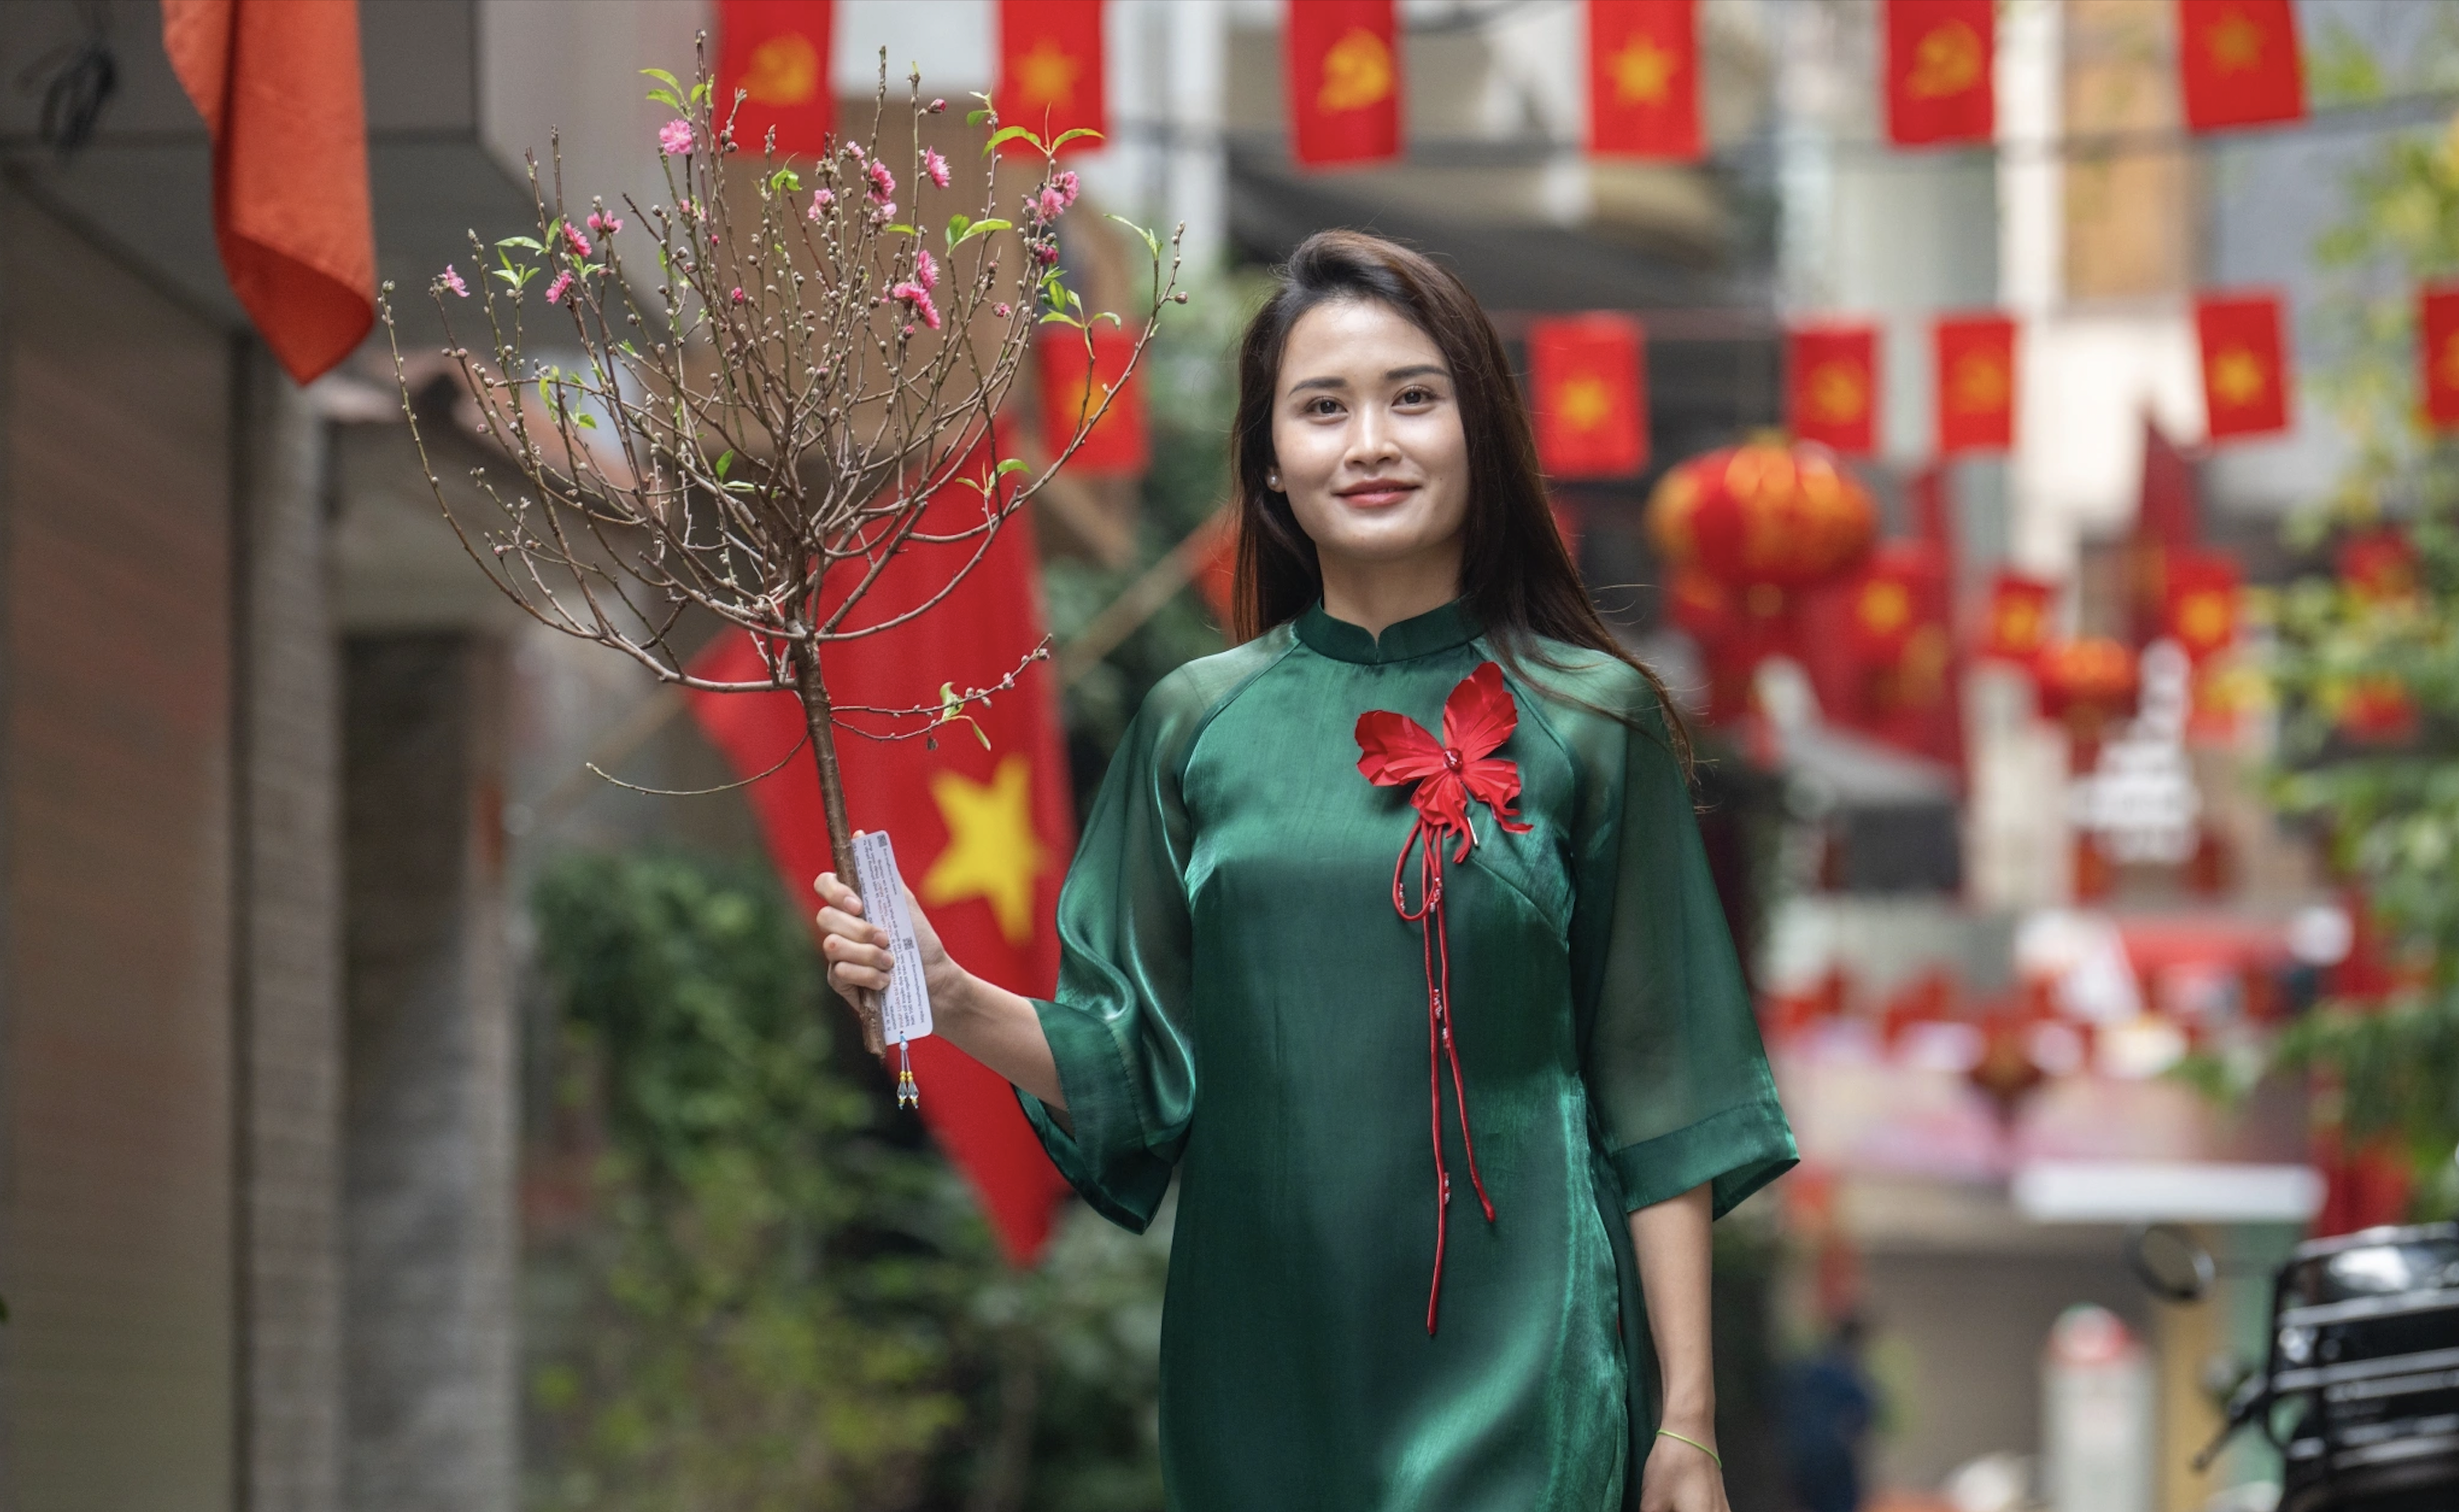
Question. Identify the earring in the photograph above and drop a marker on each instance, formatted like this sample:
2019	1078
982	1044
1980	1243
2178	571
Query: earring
1272	481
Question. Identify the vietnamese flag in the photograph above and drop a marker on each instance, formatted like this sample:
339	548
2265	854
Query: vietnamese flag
2238	63
1889	599
1941	57
1074	383
982	834
2199	592
1050	76
2245	363
1344	80
278	82
1832	385
1588	375
776	52
2015	621
2437	351
1976	383
1644	79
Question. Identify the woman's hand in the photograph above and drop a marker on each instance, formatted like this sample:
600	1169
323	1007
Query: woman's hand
1680	1476
857	949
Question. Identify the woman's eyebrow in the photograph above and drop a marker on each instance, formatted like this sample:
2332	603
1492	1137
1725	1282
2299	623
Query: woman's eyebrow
1420	370
1319	383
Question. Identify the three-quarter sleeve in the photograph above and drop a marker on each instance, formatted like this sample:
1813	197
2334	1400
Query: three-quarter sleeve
1677	1078
1116	1026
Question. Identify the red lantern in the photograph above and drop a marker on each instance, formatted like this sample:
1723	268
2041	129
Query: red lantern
2378	566
1763	519
2087	684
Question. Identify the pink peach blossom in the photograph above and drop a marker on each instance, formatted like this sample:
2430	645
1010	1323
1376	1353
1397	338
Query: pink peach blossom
557	291
821	199
883	183
935	166
675	138
573	239
452	279
925	270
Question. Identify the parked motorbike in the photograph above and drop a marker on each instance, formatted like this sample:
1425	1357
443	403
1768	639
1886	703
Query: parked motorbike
2360	1390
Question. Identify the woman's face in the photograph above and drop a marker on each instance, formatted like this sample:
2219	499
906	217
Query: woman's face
1366	437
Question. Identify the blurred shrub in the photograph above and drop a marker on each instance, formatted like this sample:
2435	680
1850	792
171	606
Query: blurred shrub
779	1296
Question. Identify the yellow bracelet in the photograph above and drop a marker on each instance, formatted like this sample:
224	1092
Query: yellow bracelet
1668	1433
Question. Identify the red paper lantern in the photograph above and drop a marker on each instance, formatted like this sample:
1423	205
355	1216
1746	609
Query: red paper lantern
2087	683
1763	519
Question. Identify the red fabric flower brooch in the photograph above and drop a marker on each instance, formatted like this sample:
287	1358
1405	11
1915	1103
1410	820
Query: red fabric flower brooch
1395	750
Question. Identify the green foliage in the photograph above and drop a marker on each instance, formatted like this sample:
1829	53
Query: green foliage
2389	808
780	1297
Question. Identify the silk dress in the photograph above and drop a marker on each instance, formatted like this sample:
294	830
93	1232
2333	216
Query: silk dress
1240	1004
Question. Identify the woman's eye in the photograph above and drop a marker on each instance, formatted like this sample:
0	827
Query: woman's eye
1323	406
1416	397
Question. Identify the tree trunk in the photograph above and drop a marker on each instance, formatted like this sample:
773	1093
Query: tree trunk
821	725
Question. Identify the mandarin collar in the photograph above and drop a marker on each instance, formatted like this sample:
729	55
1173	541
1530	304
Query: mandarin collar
1423	635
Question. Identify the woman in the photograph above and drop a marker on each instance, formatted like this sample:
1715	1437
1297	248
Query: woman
1392	936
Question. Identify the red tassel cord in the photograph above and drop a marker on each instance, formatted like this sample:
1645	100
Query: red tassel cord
1477	719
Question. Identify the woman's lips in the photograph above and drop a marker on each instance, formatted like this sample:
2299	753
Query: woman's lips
1377	493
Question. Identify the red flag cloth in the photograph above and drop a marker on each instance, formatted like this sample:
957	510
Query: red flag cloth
2015	622
2168	508
1051	79
776	52
1344	81
2245	363
2238	63
2199	601
1976	383
1832	385
982	835
1073	385
1589	374
1941	55
1644	79
2437	352
278	84
1880	655
1933	510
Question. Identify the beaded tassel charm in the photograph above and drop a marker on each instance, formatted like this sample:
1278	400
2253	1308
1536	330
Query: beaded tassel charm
908	1095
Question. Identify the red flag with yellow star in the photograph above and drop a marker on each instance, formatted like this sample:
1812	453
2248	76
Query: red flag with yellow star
1976	383
2015	621
2245	363
982	823
776	52
1832	385
1589	376
1074	383
2200	610
2437	352
1344	80
1940	59
1644	79
2238	63
1050	77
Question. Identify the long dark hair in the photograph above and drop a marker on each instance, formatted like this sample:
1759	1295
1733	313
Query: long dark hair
1516	574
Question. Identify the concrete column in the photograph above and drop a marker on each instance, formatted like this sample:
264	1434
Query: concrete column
428	1109
287	1006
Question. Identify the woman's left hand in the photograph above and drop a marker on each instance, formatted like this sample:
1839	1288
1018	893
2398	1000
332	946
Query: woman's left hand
1679	1477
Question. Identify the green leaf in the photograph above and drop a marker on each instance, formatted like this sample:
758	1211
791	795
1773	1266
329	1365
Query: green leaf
723	461
525	243
585	418
508	277
956	224
1063	318
668	98
662	78
1008	133
984	227
1011	465
1066	137
1153	242
700	92
975	118
905	230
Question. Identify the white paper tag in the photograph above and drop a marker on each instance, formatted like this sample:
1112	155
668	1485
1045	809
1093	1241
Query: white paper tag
905	1007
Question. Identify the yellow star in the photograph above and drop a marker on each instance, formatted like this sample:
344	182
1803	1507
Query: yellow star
1839	391
1641	71
2203	619
1980	386
1356	72
2234	43
1046	77
784	70
993	852
2238	377
1885	606
1583	402
2019	623
1945	61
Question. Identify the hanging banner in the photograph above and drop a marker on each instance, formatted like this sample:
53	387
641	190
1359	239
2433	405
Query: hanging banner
1073	385
776	52
2245	363
2437	352
1344	81
1589	377
2200	609
1644	79
2015	624
1940	56
1832	385
1976	383
2238	63
1051	79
